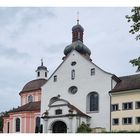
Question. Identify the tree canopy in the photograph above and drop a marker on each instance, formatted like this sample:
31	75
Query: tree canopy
134	18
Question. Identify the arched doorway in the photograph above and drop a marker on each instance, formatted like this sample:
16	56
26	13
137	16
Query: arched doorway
59	127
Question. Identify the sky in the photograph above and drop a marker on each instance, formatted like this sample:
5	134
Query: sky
29	34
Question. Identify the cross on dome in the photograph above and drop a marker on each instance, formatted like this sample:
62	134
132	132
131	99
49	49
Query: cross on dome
77	17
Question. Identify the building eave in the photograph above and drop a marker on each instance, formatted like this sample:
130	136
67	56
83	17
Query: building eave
124	91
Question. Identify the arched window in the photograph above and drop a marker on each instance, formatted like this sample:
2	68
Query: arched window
93	101
30	98
45	74
8	127
38	73
73	74
17	125
37	128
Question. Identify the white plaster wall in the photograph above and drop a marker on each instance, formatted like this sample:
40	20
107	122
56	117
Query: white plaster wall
42	74
100	82
113	83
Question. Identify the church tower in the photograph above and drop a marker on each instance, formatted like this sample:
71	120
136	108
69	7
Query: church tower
42	71
77	42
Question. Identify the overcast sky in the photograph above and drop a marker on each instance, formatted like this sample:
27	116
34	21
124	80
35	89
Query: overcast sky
29	34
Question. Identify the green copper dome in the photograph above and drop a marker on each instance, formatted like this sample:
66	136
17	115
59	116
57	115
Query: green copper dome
78	46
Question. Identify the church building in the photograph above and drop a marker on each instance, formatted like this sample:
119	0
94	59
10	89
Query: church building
77	92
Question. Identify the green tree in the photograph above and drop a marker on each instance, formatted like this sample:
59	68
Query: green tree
134	18
1	122
84	128
136	62
1	119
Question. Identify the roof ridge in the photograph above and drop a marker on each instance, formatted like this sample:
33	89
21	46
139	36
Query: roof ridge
129	75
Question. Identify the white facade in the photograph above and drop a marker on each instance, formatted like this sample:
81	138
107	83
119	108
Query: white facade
71	120
41	74
101	82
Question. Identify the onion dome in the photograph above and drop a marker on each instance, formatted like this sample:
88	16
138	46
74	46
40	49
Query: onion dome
78	46
77	42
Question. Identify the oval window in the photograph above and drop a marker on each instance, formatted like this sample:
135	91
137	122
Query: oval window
73	63
73	89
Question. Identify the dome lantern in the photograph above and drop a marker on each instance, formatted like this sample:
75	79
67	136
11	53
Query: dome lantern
77	32
42	71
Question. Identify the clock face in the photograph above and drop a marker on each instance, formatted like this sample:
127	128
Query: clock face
73	89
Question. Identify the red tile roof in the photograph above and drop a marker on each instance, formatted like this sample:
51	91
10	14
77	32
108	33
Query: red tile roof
32	106
33	85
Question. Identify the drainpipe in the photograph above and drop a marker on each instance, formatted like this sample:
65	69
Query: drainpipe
110	111
110	105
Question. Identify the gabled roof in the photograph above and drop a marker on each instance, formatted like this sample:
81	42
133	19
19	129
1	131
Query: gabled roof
32	106
70	106
33	85
79	112
81	56
130	82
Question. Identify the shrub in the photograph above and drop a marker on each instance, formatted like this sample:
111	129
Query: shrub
84	128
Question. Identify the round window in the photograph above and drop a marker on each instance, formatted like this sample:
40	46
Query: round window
73	89
73	63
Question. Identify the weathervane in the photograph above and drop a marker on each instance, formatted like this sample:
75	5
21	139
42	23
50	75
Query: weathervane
41	61
77	17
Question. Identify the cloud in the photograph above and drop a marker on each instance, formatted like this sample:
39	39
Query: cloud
8	96
15	21
12	53
23	15
55	48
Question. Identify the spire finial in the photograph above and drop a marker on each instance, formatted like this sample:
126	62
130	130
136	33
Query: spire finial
77	17
41	61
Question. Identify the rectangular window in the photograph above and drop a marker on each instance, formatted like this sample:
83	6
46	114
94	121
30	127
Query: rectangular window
127	106
137	120
137	105
115	121
115	107
92	71
127	121
45	74
55	78
58	112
